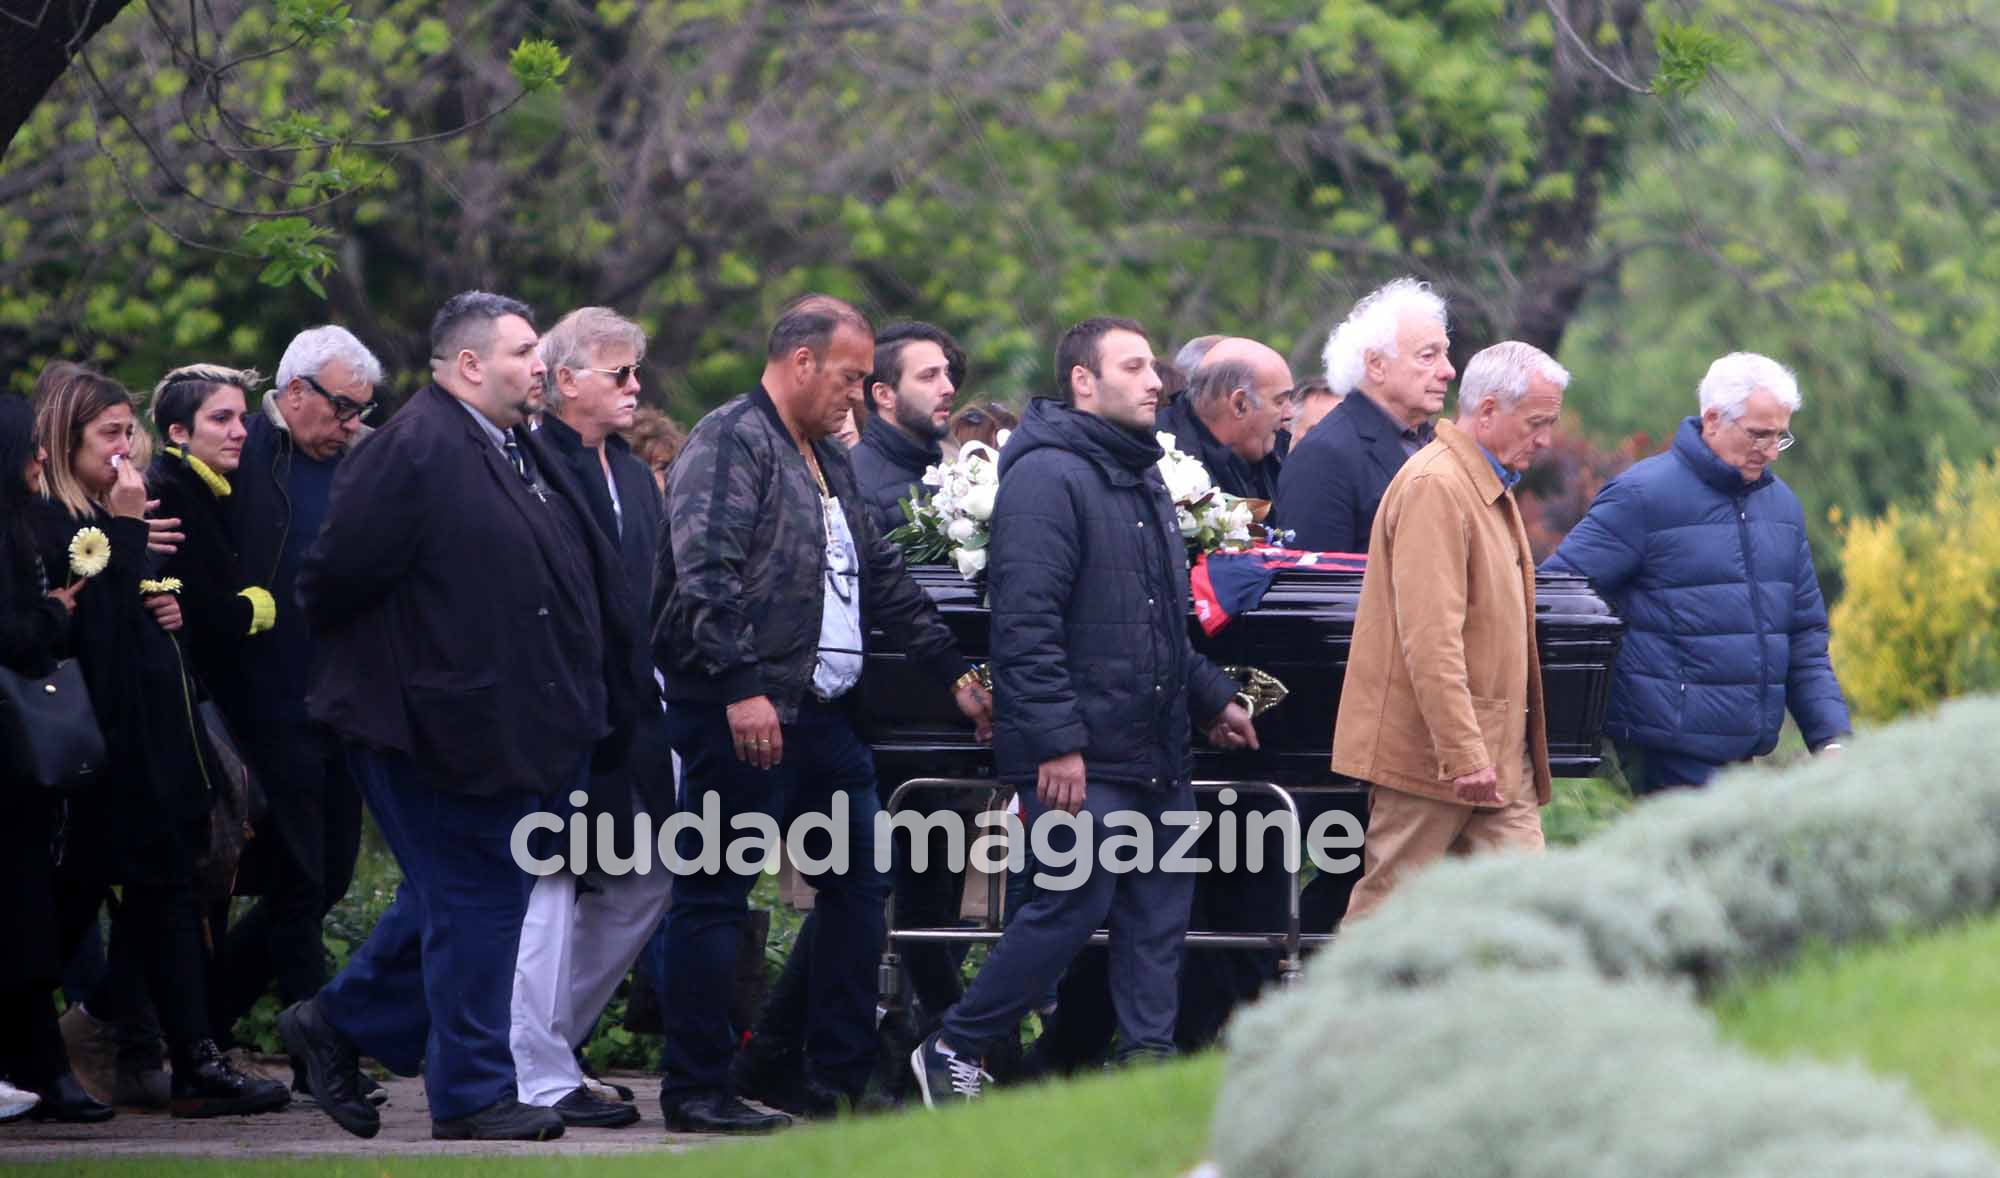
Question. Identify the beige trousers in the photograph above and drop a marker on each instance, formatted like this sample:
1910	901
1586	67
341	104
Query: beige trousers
1407	833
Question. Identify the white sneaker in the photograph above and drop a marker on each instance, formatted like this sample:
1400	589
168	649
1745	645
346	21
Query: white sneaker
16	1103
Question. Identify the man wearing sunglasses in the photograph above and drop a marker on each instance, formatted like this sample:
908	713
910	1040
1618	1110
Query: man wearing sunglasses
1702	550
585	926
304	854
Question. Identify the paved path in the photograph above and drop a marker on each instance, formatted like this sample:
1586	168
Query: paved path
301	1129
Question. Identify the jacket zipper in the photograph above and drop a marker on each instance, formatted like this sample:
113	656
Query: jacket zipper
1756	604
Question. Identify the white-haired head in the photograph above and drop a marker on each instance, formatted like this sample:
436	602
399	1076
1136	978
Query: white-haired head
1502	372
1731	380
1372	327
314	348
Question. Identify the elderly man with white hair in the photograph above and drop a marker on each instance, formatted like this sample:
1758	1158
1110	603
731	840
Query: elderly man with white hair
1702	550
1393	350
1441	710
306	846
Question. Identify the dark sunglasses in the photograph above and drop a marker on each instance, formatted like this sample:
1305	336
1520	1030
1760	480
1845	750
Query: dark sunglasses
344	409
620	374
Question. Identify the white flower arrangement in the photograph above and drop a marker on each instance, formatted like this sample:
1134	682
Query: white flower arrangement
1210	518
949	526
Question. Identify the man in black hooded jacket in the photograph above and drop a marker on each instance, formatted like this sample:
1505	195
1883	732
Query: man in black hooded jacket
918	369
1095	686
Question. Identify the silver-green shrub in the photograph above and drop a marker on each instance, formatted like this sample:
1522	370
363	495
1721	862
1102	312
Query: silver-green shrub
1511	1074
1533	1015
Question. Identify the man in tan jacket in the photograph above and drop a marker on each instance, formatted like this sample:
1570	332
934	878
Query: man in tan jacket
1441	711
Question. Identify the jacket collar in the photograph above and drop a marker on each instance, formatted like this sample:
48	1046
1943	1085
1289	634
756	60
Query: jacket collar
1472	456
217	485
276	415
902	450
1371	420
1692	449
1124	456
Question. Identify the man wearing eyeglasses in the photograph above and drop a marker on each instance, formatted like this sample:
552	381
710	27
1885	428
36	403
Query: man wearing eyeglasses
1702	550
303	857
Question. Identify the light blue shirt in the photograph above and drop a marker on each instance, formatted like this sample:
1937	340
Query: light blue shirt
1507	477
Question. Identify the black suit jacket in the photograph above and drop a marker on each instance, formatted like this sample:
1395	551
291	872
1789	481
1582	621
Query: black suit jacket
461	619
1334	477
646	780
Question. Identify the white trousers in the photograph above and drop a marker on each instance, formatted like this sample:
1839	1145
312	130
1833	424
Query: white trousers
577	944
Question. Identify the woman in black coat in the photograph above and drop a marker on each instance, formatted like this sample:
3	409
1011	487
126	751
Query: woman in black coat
145	823
35	613
200	412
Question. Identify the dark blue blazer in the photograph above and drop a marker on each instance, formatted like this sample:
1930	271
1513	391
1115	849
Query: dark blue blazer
1333	478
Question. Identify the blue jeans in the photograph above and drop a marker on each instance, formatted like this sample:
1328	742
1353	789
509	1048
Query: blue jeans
430	989
1147	912
823	756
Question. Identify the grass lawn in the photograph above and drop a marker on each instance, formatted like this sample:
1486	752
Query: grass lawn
1926	1010
1143	1123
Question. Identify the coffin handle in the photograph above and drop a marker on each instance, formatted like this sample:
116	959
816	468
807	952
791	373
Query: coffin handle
1261	692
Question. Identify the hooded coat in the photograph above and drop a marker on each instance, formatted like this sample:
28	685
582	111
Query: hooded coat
1089	592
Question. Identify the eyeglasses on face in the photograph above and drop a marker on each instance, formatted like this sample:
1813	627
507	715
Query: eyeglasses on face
621	374
344	409
1775	440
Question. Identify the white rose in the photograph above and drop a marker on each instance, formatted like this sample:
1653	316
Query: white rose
962	530
970	561
1186	480
979	502
1166	441
1189	524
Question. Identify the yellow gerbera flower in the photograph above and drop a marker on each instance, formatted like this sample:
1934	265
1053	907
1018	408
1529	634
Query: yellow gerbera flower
89	552
163	585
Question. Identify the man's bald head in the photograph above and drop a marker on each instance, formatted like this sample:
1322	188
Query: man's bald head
1242	392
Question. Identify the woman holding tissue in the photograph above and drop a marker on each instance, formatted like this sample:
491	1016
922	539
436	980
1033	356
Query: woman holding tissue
142	825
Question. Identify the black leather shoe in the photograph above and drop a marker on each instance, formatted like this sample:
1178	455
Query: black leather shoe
205	1085
719	1113
66	1101
505	1120
371	1089
584	1109
332	1068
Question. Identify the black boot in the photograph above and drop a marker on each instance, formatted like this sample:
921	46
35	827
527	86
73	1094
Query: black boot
65	1100
205	1085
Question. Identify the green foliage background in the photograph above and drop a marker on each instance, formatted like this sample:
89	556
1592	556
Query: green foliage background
1639	186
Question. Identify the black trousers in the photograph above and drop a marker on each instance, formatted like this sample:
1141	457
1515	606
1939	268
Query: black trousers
302	862
156	946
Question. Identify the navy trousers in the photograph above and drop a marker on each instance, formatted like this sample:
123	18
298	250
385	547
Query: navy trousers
823	756
430	989
1146	911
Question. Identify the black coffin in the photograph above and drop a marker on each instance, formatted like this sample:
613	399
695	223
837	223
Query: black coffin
1299	634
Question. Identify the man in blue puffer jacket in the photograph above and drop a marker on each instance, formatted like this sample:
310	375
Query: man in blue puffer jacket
1702	550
